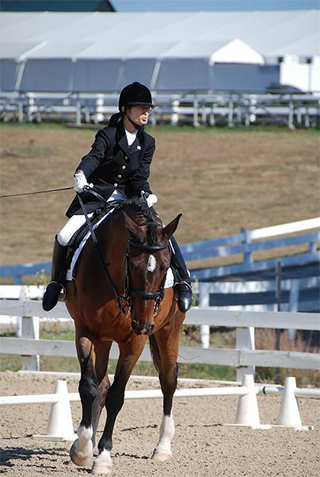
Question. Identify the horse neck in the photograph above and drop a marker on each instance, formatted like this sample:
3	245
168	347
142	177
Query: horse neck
113	242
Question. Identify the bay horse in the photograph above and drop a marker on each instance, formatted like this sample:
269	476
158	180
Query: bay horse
127	304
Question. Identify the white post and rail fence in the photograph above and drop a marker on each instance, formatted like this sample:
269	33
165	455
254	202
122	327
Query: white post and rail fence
17	301
244	357
249	243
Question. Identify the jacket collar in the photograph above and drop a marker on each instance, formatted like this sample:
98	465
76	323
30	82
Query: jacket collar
123	143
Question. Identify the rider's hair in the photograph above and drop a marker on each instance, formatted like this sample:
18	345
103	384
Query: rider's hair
113	121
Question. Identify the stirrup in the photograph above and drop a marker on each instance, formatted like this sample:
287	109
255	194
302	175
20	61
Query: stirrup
63	293
51	295
184	297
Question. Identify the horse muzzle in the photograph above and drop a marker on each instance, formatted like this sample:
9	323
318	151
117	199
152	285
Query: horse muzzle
142	327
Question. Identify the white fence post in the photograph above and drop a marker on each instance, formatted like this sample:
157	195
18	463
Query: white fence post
19	318
175	113
195	112
245	340
293	304
99	116
30	328
204	302
78	113
247	256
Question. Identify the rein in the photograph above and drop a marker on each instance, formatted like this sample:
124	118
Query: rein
157	296
118	296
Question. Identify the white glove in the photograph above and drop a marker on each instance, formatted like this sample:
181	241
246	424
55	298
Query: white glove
151	200
80	181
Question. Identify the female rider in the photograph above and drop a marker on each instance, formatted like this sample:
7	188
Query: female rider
118	166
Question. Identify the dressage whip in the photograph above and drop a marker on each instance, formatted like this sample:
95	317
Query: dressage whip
36	192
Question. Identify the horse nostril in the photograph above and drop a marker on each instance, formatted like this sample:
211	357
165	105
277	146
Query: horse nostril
149	327
140	329
134	326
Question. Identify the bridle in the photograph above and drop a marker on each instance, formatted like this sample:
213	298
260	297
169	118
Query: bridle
137	248
128	292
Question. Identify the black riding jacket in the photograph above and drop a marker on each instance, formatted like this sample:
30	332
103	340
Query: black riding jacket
112	164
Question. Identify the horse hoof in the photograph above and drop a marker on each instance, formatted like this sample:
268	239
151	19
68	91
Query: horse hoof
161	456
81	458
102	464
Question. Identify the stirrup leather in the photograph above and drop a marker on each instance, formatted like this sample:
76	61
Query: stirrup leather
183	295
184	282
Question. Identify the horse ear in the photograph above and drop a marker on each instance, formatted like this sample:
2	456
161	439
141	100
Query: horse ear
171	228
131	226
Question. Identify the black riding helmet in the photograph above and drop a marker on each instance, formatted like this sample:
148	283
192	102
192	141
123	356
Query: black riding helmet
135	94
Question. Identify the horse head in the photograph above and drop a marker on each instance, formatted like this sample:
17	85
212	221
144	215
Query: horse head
147	261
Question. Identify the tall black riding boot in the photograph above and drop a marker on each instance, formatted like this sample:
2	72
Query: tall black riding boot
58	276
182	278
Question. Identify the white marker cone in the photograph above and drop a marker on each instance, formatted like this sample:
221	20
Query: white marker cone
247	411
60	426
289	414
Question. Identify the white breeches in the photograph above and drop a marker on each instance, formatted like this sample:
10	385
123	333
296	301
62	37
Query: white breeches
76	221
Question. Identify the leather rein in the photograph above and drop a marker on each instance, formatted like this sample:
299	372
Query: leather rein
150	249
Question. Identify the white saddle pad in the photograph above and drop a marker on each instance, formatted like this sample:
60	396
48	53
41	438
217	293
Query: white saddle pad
81	245
169	278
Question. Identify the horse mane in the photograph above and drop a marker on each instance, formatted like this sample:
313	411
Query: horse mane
137	209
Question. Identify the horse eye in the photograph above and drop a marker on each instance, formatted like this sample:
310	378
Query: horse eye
164	268
133	265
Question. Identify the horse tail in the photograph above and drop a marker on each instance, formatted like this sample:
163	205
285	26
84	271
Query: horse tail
154	352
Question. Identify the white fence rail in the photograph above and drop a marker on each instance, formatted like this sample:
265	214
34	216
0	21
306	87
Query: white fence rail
179	107
245	357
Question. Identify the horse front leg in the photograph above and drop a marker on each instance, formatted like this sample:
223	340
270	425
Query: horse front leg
162	451
93	386
129	354
164	347
168	380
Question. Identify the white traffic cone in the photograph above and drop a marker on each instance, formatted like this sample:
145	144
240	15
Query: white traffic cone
60	427
289	414
247	411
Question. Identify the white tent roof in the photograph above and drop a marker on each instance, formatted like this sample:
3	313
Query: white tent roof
236	52
208	35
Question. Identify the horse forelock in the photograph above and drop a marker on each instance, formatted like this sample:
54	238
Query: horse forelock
152	236
137	209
